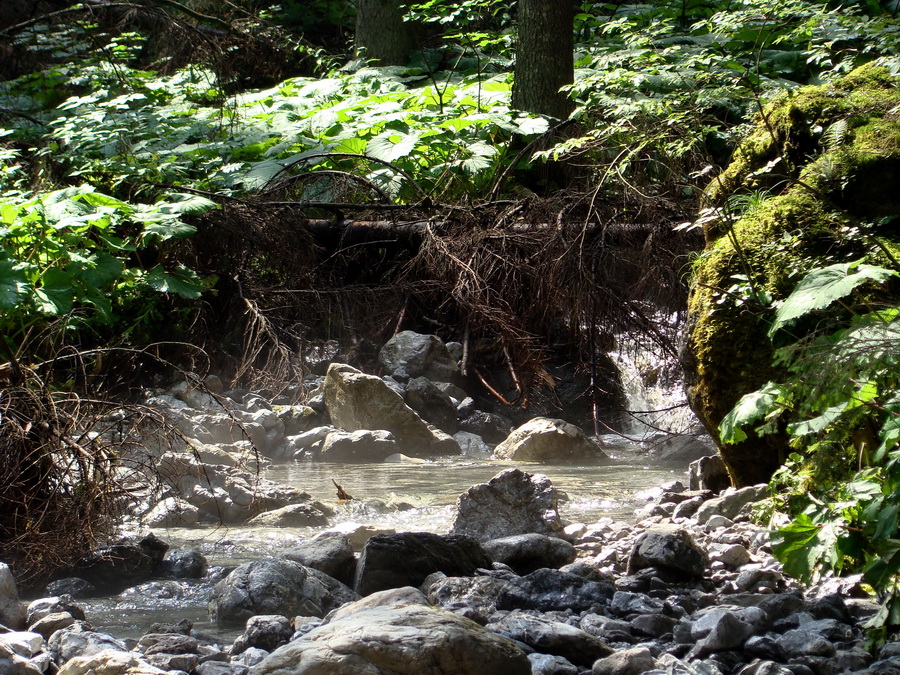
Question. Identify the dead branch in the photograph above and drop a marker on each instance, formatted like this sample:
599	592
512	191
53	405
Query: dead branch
341	493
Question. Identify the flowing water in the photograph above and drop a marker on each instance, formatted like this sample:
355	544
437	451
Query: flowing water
419	497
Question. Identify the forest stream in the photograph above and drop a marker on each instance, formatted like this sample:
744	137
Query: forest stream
426	493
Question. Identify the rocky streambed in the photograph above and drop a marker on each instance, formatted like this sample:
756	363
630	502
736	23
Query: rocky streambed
504	584
690	588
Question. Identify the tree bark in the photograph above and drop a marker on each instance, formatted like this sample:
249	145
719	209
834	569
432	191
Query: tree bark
544	57
382	36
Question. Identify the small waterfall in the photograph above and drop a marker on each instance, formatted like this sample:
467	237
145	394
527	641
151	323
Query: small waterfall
654	389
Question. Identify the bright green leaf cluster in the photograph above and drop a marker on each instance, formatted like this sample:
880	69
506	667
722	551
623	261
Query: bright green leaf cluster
79	249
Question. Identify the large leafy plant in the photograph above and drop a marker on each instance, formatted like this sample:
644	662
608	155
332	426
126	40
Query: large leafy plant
78	252
837	500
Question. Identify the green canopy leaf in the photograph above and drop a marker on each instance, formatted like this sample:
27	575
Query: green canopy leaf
824	285
186	204
804	547
181	281
56	294
750	408
392	145
95	270
13	284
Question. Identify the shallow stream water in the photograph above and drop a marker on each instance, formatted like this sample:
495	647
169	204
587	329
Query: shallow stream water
425	492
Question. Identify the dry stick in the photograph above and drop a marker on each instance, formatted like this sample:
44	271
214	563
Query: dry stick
491	389
512	370
401	316
341	493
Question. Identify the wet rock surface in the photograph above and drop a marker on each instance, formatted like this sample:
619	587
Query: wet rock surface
666	595
512	502
690	588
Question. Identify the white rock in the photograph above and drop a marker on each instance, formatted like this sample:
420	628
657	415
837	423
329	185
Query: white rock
23	643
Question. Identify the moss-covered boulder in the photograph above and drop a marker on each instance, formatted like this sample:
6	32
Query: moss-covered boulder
817	181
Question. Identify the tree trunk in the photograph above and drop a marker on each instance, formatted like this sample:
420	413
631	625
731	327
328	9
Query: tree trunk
382	36
544	57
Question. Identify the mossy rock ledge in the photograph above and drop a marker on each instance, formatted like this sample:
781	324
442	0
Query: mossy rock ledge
820	162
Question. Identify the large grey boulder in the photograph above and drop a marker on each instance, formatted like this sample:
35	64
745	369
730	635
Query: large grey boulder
124	563
297	419
526	553
407	558
328	552
219	493
275	586
731	502
543	439
172	512
38	609
512	502
110	662
472	445
671	548
552	637
547	590
472	597
491	427
409	354
393	597
680	451
363	445
625	662
79	640
709	473
313	514
13	613
220	429
397	640
358	401
21	653
432	404
266	631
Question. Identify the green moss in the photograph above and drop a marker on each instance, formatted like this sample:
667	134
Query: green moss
838	148
858	111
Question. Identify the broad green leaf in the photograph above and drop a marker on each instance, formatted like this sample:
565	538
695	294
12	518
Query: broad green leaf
885	566
820	422
392	145
889	435
9	212
186	204
98	199
56	294
180	281
103	305
750	408
354	145
476	164
887	523
822	286
170	229
805	548
532	125
95	270
261	173
13	284
864	487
